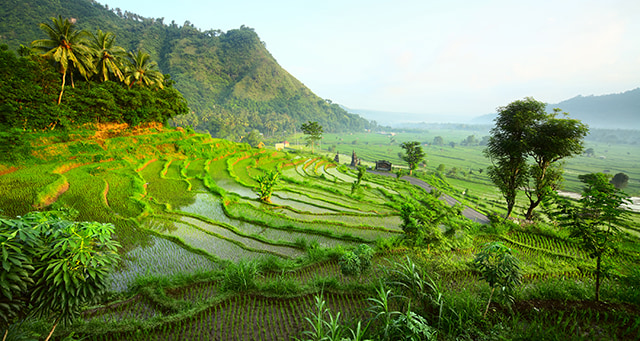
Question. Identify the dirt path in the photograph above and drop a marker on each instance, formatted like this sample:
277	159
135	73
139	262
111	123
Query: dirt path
466	212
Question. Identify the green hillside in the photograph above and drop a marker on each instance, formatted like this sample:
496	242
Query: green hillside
230	80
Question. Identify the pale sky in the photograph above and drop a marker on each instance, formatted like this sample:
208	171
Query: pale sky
458	58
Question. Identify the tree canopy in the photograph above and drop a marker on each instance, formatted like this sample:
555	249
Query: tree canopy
29	83
313	133
620	180
67	47
413	154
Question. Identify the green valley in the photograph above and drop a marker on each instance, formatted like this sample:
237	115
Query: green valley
147	193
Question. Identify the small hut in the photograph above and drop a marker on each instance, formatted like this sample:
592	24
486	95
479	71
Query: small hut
383	165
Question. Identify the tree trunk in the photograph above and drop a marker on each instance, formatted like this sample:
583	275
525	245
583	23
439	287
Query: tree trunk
489	303
532	206
509	210
598	263
64	79
52	330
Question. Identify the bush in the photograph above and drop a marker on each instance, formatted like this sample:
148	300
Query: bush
356	262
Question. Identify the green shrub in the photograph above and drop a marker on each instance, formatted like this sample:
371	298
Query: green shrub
240	276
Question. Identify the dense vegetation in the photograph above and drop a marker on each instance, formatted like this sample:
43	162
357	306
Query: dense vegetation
30	86
231	82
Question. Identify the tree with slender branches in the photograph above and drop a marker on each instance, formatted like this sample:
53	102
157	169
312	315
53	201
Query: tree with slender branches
595	221
141	70
109	57
526	148
67	47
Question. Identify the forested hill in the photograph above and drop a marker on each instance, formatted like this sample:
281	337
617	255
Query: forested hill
232	83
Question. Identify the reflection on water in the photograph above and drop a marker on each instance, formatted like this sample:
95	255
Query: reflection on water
159	257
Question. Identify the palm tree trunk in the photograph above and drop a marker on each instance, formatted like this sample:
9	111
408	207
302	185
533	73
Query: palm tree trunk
64	78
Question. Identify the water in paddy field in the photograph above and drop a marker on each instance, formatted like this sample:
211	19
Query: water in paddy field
160	258
634	205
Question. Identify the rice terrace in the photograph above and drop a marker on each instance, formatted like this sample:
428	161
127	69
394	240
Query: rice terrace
202	258
179	184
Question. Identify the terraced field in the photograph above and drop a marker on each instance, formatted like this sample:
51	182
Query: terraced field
198	203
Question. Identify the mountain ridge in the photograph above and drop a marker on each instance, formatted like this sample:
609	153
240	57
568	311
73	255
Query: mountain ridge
231	81
595	110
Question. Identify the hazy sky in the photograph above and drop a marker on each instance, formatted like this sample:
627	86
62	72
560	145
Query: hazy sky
445	57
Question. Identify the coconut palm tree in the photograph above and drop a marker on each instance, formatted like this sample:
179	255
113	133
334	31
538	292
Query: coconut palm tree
109	57
143	71
67	48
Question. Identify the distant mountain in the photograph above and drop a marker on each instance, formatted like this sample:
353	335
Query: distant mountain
231	81
613	111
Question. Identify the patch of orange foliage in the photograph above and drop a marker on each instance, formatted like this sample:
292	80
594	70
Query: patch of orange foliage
8	170
108	130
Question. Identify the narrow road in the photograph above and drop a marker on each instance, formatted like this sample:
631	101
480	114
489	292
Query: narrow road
467	212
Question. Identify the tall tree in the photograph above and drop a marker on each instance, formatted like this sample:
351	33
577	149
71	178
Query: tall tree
507	148
551	141
67	47
109	57
313	132
413	154
143	71
524	131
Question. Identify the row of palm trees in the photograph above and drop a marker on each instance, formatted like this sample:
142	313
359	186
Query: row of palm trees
94	56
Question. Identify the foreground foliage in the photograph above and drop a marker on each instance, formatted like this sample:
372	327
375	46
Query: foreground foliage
53	267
